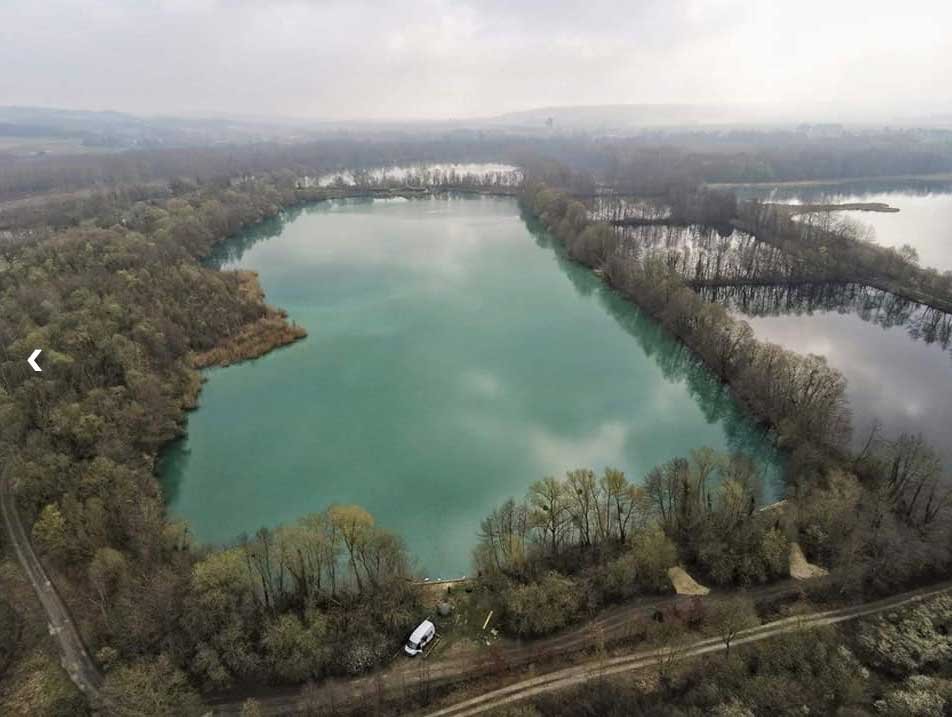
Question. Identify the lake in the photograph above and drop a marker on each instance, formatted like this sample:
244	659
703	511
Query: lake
924	219
894	353
454	357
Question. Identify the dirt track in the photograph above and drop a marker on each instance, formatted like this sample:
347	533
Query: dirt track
406	676
599	668
614	624
74	657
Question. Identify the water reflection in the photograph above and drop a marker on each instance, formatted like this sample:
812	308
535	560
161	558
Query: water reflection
609	207
704	255
894	353
447	366
920	322
678	364
455	173
449	256
924	219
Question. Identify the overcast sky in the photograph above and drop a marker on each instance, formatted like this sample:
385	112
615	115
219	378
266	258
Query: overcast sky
440	59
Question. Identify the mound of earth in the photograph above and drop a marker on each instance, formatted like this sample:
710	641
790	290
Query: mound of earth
800	569
684	584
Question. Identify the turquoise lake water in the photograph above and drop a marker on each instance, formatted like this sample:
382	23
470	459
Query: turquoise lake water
453	357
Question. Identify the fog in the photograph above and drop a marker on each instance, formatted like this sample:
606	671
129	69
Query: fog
438	59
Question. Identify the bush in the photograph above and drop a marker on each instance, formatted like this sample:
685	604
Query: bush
653	553
542	607
901	643
149	687
618	579
919	696
296	649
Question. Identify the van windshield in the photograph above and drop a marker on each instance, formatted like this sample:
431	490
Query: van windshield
412	645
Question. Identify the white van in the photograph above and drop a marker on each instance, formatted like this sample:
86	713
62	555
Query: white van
420	638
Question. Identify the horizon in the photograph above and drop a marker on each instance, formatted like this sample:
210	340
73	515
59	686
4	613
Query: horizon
766	115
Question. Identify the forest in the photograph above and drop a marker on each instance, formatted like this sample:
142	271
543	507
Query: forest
111	273
131	312
839	248
646	163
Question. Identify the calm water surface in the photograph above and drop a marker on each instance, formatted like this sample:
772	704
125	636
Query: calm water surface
924	219
895	354
453	358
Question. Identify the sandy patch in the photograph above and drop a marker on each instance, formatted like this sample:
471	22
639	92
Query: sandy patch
800	569
684	584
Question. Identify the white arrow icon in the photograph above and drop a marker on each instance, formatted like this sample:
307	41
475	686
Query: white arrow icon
32	360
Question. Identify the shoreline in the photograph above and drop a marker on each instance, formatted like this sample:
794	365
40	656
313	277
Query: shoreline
255	339
742	395
273	330
849	206
883	283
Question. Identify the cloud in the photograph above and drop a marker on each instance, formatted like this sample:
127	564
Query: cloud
437	58
555	454
481	383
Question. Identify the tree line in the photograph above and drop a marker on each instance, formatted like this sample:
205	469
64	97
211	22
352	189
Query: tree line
649	163
25	176
421	177
890	524
704	256
575	544
802	397
846	252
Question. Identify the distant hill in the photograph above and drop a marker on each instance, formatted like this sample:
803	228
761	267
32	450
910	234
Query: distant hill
40	131
636	117
24	129
626	117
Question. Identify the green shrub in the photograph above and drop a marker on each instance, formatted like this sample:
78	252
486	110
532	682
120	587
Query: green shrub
542	607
